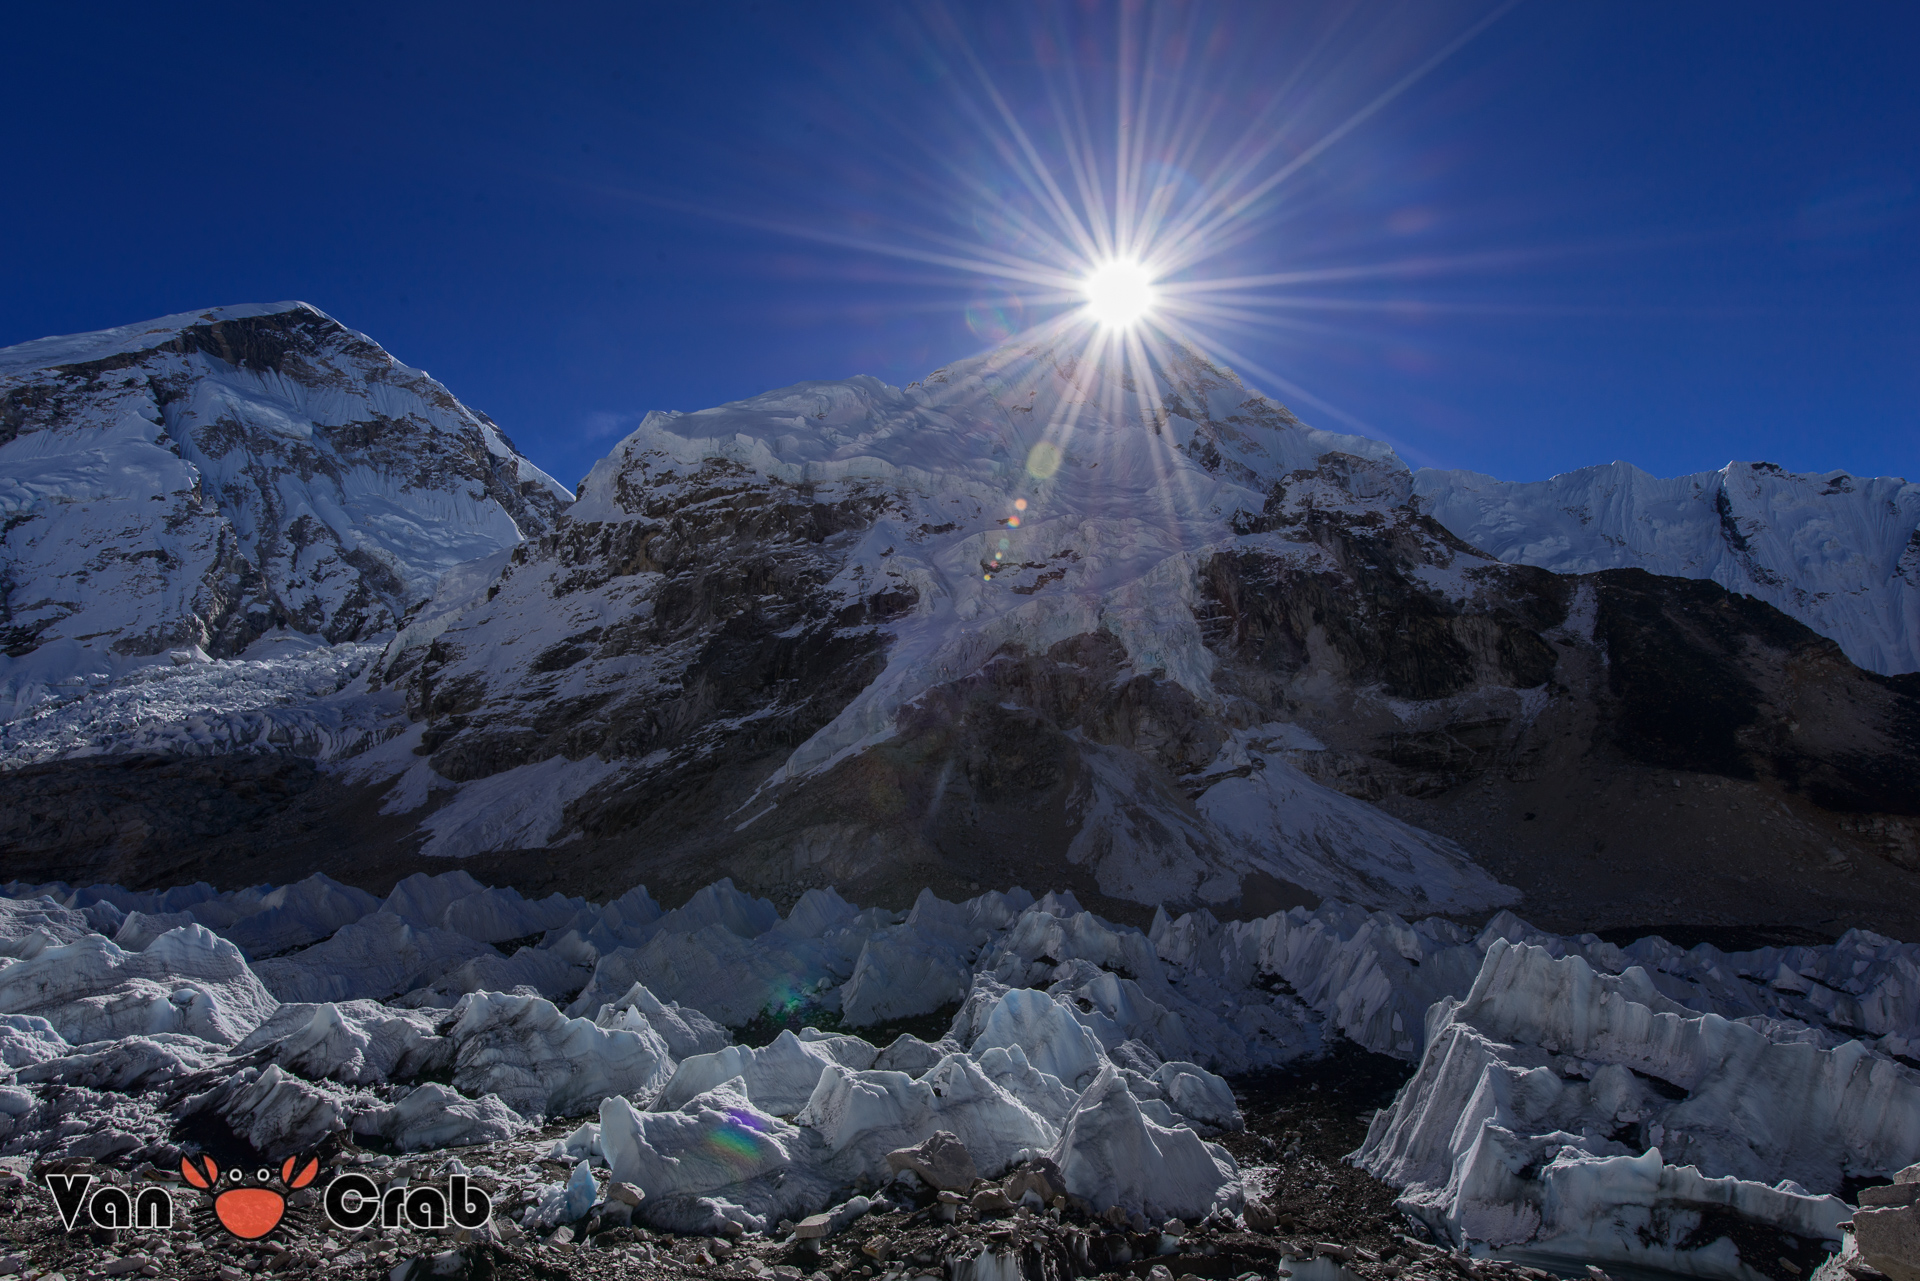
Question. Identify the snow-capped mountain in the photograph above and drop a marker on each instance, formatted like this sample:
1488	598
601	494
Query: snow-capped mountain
1838	552
196	482
1031	619
987	592
1030	613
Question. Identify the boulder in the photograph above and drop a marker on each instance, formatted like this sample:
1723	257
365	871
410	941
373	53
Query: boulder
941	1160
1888	1238
1039	1177
992	1200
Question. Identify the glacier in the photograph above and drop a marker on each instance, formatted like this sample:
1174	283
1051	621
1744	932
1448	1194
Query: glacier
1572	1099
250	530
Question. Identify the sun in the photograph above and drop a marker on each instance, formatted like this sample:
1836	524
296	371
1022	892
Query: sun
1119	293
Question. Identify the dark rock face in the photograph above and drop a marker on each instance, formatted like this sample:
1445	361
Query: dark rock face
1705	680
987	780
1696	678
740	652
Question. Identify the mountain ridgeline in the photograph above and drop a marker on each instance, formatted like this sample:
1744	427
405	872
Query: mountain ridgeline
1024	622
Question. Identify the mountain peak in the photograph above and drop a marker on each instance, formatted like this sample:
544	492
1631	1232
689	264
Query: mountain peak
199	480
146	335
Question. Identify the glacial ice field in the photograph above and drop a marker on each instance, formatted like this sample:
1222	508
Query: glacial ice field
1571	1099
286	695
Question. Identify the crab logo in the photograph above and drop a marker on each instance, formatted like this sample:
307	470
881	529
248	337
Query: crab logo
249	1212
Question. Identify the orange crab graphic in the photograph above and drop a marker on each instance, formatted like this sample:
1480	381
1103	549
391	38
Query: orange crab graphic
248	1212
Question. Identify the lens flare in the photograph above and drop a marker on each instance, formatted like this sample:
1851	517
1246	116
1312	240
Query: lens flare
1120	294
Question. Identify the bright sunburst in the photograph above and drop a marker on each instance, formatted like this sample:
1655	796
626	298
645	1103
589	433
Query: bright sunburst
1120	293
1121	221
1115	221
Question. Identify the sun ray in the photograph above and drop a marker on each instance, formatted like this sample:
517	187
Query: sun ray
1134	213
1354	121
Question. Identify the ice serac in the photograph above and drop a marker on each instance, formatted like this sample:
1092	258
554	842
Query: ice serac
433	1116
187	981
356	1042
1112	1154
1840	553
1573	1098
542	1063
1585	1115
297	915
378	956
714	1161
686	1032
779	1078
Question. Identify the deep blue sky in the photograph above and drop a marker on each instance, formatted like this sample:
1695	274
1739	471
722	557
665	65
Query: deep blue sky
1679	233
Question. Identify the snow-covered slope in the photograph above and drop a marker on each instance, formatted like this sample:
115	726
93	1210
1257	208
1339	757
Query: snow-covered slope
199	481
1838	552
805	569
